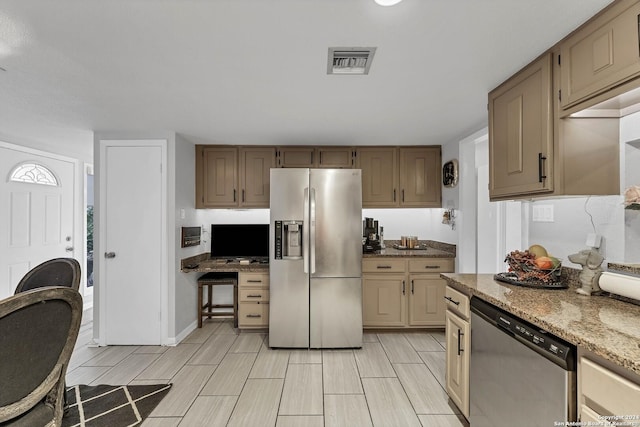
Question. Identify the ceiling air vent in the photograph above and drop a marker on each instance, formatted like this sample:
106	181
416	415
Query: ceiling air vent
350	60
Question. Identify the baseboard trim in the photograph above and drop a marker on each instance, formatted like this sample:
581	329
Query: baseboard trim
184	334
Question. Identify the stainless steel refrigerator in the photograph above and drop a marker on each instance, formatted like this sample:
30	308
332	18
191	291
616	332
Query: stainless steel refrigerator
315	259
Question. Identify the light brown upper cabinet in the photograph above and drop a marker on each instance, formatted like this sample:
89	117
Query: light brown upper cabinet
315	157
521	132
400	177
335	157
379	176
228	177
296	157
255	171
534	153
238	176
216	176
420	172
601	54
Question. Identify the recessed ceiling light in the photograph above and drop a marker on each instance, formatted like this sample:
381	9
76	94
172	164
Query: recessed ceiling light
387	2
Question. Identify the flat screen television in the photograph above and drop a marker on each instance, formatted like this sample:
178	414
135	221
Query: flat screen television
239	240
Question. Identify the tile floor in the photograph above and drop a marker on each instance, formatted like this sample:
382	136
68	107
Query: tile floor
224	378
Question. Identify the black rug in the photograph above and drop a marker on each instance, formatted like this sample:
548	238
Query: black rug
111	406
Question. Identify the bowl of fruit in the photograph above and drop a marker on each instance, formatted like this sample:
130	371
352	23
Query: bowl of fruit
533	267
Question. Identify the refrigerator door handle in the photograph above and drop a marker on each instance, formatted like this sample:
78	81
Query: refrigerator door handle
305	232
312	230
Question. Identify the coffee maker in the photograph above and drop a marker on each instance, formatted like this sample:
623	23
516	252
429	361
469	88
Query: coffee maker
370	237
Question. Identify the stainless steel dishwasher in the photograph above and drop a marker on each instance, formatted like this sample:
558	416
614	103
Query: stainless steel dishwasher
520	375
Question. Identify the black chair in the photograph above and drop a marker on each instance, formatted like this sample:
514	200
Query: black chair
54	272
38	330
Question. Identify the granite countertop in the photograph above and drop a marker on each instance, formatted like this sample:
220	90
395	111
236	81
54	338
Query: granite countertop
606	326
203	263
428	249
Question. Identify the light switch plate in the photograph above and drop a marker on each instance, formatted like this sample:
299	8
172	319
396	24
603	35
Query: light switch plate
543	213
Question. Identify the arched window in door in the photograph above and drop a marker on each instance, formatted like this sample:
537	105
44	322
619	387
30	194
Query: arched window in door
33	173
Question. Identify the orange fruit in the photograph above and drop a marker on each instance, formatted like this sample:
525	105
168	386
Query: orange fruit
544	263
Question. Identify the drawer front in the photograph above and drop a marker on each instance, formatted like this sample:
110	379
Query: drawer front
457	302
253	314
431	265
615	394
253	295
253	279
383	265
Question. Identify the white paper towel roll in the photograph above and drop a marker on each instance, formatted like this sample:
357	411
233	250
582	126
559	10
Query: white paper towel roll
620	284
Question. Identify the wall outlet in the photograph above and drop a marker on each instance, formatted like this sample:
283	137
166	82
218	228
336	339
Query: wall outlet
594	240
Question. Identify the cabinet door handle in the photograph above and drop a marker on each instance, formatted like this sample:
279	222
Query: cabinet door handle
403	195
403	287
254	281
254	296
260	315
383	267
411	286
460	334
243	195
452	300
541	159
234	194
431	266
394	194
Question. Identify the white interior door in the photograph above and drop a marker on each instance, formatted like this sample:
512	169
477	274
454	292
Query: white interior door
37	217
132	231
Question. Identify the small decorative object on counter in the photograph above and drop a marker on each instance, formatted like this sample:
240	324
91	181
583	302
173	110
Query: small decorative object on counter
632	198
528	269
590	260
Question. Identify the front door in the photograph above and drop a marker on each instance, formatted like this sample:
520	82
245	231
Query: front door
131	201
36	212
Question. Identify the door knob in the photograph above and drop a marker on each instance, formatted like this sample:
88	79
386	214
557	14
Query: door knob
69	249
109	254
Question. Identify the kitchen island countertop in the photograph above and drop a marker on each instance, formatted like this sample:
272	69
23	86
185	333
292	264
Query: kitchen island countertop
608	327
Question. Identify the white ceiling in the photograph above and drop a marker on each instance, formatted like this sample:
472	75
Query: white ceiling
254	71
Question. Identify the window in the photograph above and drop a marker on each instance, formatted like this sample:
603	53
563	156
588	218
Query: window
33	173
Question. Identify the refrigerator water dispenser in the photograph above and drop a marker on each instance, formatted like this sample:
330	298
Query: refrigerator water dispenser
288	240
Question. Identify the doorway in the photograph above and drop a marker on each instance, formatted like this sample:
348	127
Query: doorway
38	215
496	227
88	277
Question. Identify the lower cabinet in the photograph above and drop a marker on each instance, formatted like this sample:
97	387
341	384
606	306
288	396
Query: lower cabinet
602	392
384	300
253	300
458	338
404	292
458	348
426	300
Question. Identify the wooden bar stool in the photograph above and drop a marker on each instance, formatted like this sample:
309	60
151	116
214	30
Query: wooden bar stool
206	310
